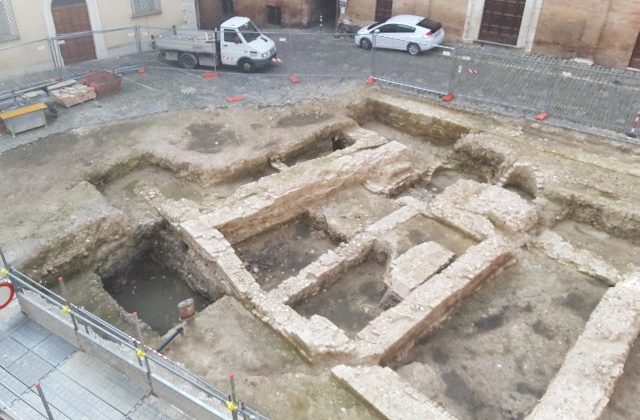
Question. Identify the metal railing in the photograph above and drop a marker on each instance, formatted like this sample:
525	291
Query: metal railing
131	351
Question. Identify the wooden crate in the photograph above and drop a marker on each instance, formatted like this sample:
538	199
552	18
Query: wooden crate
73	95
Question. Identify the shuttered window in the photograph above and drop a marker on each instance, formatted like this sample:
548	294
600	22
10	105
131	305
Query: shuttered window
8	27
140	8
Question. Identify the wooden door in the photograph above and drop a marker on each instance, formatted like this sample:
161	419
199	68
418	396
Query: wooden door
210	14
70	17
501	21
383	10
635	55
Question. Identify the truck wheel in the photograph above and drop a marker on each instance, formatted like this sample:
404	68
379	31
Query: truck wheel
188	61
246	65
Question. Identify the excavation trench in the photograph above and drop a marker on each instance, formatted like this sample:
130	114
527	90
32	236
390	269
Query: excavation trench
499	349
282	251
353	297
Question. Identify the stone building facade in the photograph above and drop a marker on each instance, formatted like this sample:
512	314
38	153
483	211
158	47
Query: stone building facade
605	31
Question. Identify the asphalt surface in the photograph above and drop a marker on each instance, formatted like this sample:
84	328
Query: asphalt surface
488	78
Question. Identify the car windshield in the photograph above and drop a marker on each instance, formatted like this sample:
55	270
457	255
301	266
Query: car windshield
372	25
249	31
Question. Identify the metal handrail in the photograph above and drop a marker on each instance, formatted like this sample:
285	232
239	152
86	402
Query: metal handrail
21	282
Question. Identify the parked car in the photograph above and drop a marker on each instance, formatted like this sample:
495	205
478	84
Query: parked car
410	33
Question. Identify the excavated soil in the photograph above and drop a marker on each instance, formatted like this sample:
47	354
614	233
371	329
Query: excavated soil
499	349
75	212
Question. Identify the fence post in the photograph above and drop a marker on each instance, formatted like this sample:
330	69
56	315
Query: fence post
454	68
67	306
551	90
373	55
136	32
4	260
44	401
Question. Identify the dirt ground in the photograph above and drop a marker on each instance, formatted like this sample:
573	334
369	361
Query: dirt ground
72	210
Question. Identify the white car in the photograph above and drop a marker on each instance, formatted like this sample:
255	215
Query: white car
410	33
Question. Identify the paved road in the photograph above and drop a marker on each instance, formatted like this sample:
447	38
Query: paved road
76	385
486	77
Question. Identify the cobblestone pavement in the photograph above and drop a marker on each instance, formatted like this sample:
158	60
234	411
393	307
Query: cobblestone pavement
490	78
75	384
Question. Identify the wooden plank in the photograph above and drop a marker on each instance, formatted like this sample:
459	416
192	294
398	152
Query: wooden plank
23	111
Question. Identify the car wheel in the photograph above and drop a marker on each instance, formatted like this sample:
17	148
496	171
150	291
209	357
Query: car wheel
246	65
188	61
413	49
365	44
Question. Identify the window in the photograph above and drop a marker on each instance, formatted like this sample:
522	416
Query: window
405	29
388	29
231	36
8	27
249	31
227	7
140	8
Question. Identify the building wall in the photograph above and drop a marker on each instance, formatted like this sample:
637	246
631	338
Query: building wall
294	12
32	21
602	30
619	33
14	57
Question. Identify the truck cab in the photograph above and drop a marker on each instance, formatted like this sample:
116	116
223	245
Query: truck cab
243	45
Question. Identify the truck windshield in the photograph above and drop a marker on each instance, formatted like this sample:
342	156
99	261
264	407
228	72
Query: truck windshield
249	31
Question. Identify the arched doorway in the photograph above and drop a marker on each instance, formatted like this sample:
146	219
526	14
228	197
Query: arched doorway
70	16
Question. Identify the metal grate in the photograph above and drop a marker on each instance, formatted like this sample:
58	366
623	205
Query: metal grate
8	26
140	8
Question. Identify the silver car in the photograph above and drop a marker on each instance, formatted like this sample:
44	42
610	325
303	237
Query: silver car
410	33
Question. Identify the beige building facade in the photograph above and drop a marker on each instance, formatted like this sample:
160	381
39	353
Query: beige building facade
605	31
26	24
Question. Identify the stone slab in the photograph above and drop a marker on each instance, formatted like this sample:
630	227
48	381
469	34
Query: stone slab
383	389
555	247
429	303
415	266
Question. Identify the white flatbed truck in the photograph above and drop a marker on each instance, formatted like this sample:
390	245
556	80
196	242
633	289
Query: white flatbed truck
238	43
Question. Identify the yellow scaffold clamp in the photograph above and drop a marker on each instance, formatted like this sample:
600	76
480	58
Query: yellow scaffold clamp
3	272
66	310
140	353
231	406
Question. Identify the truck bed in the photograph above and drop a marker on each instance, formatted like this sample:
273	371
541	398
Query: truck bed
187	40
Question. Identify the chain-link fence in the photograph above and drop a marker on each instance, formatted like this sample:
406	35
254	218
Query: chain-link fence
489	78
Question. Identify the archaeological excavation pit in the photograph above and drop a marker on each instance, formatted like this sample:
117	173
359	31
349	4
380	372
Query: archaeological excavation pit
353	298
155	275
420	229
283	250
326	233
498	350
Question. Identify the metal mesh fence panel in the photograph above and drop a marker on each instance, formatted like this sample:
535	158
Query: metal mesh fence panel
115	48
598	98
430	70
8	26
26	65
505	80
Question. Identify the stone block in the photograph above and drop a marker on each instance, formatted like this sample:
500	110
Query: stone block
385	391
415	266
555	247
